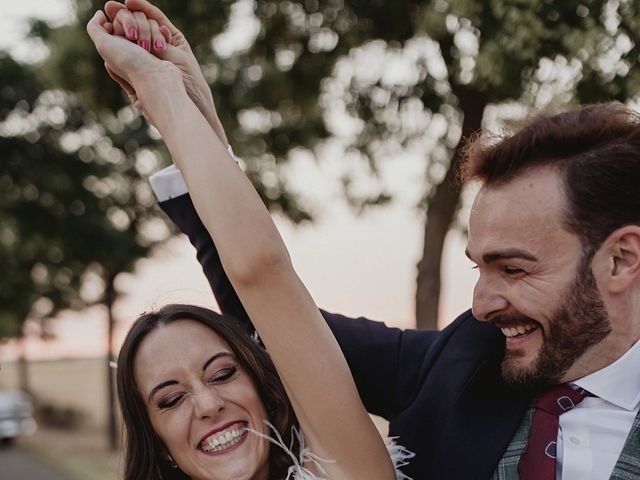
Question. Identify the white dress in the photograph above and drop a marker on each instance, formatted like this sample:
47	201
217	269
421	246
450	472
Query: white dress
400	456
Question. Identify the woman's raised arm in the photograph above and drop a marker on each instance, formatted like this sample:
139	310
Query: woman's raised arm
307	356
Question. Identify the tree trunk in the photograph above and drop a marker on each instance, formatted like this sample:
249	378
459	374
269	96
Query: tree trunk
440	212
23	365
109	299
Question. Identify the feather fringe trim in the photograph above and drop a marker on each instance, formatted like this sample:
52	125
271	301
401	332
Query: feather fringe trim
400	456
296	471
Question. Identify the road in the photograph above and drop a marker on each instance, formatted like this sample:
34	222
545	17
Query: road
17	464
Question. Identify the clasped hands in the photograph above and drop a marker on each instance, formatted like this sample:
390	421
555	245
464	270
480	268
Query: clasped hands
144	52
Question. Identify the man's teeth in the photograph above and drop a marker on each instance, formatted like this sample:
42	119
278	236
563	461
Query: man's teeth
222	440
519	330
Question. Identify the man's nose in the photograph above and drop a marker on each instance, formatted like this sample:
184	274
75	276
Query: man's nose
207	403
488	299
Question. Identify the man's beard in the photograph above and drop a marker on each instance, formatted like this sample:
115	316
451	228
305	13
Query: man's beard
580	322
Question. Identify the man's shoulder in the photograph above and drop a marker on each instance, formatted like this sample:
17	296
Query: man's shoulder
466	329
465	332
467	326
466	340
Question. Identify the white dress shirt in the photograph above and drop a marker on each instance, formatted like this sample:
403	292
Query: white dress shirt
592	435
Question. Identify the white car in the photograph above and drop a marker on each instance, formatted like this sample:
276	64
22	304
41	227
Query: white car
16	415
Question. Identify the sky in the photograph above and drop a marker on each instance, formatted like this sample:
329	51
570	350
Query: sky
14	25
355	265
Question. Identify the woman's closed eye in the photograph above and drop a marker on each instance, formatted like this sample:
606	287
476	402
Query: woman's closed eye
170	400
223	375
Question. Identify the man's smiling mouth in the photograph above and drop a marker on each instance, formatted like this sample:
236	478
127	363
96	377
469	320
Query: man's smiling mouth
518	330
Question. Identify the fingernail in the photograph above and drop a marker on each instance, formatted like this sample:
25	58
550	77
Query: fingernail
133	33
159	44
144	44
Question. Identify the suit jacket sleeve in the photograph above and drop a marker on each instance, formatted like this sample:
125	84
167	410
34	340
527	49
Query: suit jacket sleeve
385	362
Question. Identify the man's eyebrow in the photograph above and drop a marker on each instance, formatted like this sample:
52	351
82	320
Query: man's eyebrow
214	358
506	254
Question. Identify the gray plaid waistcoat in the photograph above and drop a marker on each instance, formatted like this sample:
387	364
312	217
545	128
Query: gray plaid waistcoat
627	467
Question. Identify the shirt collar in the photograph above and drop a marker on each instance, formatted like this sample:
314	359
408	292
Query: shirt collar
618	383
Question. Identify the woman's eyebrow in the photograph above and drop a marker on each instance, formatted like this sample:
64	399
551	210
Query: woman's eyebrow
175	382
160	386
214	358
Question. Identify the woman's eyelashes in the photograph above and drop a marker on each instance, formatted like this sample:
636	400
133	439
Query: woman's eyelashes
223	374
170	401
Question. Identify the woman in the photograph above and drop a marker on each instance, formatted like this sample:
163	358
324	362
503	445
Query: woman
308	360
184	350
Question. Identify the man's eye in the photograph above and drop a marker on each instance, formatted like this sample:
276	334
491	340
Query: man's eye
223	375
512	270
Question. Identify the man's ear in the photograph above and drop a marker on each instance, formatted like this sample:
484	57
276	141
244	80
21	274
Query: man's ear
622	252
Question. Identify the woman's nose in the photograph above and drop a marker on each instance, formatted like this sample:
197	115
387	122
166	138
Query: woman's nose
207	403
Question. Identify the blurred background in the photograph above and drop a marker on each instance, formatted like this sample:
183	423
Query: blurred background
349	117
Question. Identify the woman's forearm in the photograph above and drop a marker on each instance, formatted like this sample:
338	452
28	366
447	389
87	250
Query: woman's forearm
227	203
304	351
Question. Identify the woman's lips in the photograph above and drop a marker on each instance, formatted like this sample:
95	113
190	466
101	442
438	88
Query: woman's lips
223	439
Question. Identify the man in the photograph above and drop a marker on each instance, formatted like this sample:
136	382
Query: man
555	233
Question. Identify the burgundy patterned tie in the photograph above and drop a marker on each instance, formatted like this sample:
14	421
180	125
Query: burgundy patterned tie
538	462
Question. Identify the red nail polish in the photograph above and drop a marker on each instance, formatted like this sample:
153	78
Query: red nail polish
133	33
144	44
159	44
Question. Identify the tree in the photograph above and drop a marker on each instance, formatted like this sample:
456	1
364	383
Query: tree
534	52
73	203
279	91
311	60
39	216
122	143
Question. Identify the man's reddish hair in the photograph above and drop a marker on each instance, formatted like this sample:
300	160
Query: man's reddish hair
596	149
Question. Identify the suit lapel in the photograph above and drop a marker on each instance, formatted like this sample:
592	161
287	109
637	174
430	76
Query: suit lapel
483	421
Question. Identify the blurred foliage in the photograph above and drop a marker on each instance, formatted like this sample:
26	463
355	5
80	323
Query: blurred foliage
72	200
380	76
384	77
391	70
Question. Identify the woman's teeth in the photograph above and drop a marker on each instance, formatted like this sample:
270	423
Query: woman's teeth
222	440
515	331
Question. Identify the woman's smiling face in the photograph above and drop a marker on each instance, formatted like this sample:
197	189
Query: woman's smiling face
200	401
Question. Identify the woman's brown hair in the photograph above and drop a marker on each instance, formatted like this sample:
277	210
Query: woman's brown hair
145	455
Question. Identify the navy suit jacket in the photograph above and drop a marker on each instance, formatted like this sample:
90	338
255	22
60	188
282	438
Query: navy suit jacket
442	392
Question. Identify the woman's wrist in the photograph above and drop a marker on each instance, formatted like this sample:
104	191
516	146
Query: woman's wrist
204	102
159	95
